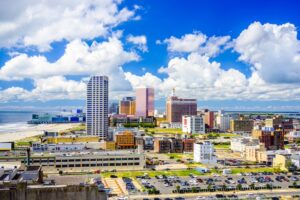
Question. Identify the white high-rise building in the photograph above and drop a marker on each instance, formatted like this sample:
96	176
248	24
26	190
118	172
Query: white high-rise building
193	124
204	153
223	121
97	106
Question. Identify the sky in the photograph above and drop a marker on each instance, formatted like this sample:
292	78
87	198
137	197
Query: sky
229	54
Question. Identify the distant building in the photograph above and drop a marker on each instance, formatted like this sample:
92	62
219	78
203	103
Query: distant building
193	124
223	122
97	106
177	107
144	102
113	108
127	106
281	161
241	125
204	153
273	140
293	136
209	118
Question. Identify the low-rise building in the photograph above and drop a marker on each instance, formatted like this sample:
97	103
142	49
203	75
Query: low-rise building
188	145
176	145
124	140
204	153
239	144
72	139
193	124
162	145
280	161
295	159
148	142
293	136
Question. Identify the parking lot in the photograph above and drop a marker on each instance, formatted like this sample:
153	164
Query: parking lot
250	181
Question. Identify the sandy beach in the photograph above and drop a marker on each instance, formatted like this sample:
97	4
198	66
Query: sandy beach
33	130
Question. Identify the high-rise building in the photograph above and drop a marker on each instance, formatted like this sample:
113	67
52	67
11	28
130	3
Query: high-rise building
177	107
113	108
144	102
209	117
127	106
97	106
193	124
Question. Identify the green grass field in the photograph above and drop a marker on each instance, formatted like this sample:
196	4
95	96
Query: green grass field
222	146
259	169
27	141
180	155
165	130
151	173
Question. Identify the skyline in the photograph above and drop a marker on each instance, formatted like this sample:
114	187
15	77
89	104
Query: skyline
232	60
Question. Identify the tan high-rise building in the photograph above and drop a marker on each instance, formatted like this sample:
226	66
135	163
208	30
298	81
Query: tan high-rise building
177	107
127	106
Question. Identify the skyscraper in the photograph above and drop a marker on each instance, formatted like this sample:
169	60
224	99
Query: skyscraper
144	102
177	107
97	106
127	106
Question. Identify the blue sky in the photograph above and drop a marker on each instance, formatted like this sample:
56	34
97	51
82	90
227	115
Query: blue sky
150	43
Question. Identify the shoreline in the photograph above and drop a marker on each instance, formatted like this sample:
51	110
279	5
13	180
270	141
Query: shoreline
34	130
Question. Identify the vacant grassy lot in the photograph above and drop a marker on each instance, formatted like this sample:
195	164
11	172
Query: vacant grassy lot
165	130
222	146
152	173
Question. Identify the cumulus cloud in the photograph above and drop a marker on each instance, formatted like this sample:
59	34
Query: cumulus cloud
196	42
140	41
40	23
272	50
79	59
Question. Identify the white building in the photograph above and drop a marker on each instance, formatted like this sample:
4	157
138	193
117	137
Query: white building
295	159
204	153
223	122
193	124
97	106
239	144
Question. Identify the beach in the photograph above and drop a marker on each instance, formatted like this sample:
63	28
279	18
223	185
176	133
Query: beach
25	131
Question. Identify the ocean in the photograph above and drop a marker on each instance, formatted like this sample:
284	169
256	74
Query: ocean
14	120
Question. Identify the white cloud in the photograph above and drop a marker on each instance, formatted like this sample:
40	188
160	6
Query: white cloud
39	23
187	43
79	59
104	58
196	42
140	41
272	50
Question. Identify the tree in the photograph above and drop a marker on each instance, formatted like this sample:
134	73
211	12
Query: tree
239	187
209	187
294	184
269	186
224	187
177	188
252	186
